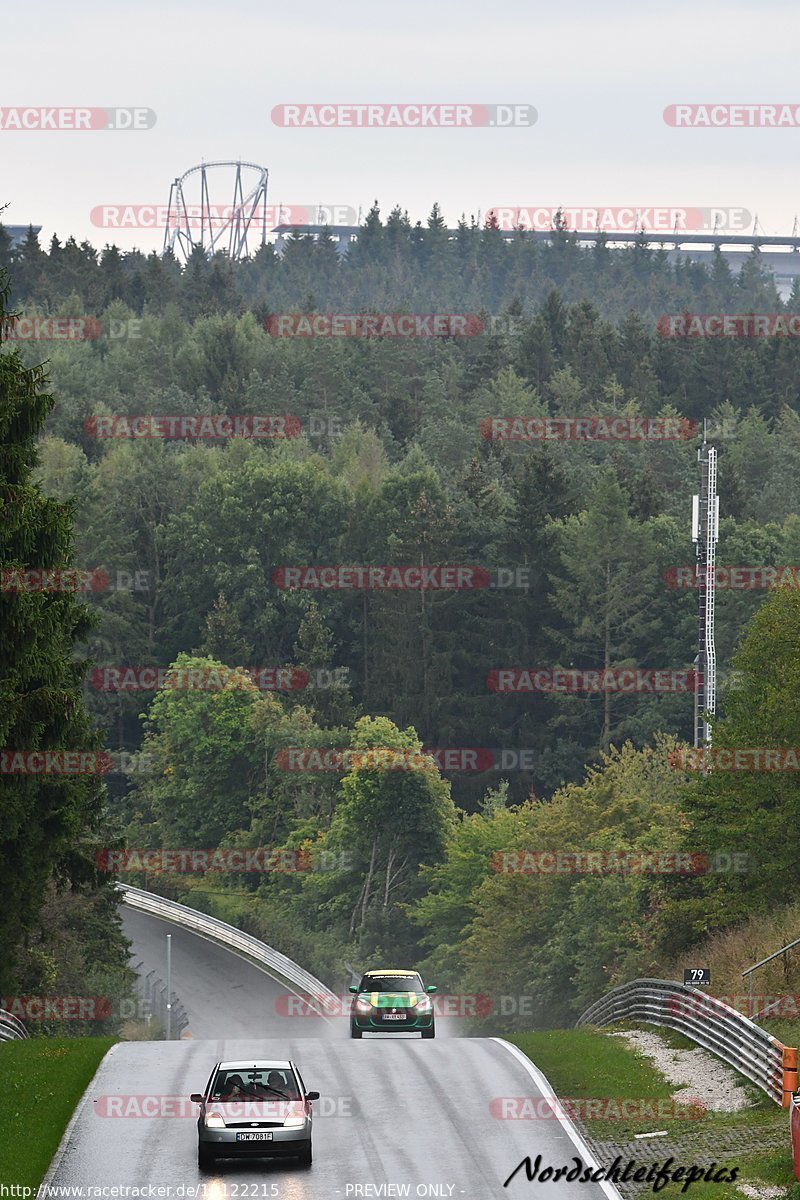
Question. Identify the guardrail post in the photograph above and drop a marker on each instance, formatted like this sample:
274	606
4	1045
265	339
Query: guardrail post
789	1075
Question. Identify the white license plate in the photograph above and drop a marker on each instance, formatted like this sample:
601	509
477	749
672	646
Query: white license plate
257	1136
394	1016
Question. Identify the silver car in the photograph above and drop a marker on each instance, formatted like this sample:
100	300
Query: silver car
254	1109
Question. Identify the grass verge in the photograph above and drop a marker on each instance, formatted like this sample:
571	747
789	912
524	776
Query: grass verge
43	1080
589	1064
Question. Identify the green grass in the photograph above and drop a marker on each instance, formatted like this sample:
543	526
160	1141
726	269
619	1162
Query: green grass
773	1169
42	1081
786	1030
588	1063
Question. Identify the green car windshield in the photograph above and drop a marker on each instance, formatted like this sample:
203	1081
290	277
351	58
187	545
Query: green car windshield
391	983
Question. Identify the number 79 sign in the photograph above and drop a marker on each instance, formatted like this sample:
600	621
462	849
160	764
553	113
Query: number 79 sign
696	976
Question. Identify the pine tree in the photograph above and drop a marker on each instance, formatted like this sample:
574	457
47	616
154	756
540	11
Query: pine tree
48	821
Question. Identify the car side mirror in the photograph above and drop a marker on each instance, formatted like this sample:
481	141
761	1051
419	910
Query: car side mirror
353	989
432	988
312	1095
197	1098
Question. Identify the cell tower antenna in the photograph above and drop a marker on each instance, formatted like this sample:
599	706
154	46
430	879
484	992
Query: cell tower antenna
705	534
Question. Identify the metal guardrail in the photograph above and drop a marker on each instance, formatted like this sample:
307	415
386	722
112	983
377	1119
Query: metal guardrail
715	1026
282	968
11	1028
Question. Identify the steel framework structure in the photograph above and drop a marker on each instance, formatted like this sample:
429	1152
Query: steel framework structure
705	533
215	227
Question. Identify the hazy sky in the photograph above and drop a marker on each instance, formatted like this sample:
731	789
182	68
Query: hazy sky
599	76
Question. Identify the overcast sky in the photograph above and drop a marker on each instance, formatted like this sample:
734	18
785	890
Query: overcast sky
599	76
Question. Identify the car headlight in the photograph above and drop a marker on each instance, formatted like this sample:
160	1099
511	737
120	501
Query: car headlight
214	1121
363	1006
294	1122
424	1004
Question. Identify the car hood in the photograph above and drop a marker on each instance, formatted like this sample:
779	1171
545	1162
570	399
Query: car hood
258	1110
393	999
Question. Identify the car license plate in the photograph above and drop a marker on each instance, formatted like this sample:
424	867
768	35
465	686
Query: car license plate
256	1136
394	1016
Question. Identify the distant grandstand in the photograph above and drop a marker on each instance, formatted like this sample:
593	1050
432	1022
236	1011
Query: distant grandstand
18	233
781	257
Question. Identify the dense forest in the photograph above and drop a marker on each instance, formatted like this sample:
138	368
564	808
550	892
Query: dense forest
186	544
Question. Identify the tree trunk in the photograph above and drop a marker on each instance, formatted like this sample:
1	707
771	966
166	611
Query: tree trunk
607	664
368	883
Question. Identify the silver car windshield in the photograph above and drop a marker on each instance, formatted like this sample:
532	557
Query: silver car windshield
264	1084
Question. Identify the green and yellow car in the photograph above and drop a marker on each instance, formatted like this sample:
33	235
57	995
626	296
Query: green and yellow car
392	1002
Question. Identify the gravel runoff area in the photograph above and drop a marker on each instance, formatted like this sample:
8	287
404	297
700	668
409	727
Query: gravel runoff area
703	1077
706	1079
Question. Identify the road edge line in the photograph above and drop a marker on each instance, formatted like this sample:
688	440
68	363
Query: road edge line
544	1085
56	1160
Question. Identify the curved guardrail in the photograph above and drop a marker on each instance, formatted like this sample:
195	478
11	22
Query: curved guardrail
714	1025
282	968
11	1028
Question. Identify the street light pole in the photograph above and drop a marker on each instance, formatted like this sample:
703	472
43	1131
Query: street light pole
169	987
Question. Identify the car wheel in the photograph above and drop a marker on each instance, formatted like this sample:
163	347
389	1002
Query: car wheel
429	1033
205	1159
305	1155
354	1033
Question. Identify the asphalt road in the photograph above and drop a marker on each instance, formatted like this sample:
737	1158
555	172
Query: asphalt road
396	1116
223	994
